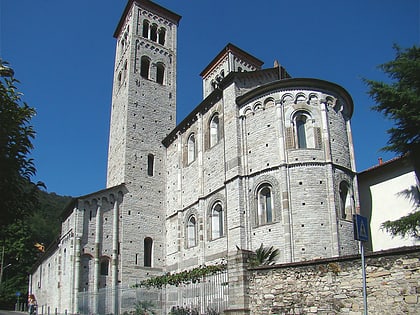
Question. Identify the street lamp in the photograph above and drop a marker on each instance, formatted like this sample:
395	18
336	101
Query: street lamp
2	269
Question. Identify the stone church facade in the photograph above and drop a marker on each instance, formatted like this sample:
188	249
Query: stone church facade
263	159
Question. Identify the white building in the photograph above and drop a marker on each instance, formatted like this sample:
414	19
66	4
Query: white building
388	191
264	158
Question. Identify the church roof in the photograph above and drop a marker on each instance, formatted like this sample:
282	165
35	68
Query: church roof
230	48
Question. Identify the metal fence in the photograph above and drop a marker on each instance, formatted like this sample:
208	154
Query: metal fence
208	296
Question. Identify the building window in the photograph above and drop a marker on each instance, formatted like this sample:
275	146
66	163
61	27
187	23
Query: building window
153	33
301	131
145	29
144	67
306	135
214	130
191	148
345	201
191	232
104	267
148	246
161	37
150	164
217	221
160	72
265	205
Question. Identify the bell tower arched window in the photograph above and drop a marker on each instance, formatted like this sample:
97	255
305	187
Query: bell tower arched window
160	72
145	32
144	67
161	36
153	33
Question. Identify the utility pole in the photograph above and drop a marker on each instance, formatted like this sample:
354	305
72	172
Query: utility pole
2	266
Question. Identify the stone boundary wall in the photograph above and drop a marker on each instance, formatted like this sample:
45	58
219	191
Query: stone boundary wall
334	286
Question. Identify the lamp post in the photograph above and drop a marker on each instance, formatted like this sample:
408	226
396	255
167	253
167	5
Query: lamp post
2	266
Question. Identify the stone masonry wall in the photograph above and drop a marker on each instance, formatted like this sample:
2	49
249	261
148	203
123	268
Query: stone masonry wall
334	286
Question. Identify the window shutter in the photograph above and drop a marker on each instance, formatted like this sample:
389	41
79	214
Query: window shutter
318	138
290	139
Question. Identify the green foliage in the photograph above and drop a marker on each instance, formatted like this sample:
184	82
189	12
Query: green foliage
145	308
183	310
400	102
27	214
408	225
400	99
19	195
264	256
183	277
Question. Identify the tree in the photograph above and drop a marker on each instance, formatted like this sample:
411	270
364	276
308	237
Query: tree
19	194
264	256
400	102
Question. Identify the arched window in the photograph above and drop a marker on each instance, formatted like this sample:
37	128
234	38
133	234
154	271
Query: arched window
162	34
345	201
265	205
150	164
145	32
191	148
304	130
214	130
301	130
105	267
148	246
191	232
217	221
153	33
144	67
160	72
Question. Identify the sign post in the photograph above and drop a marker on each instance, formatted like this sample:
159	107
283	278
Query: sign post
360	226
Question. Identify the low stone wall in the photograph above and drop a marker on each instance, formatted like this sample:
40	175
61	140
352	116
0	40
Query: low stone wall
334	286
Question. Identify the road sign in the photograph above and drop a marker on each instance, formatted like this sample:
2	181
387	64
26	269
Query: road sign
17	293
361	228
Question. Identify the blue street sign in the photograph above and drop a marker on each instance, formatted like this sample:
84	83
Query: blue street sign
360	225
17	293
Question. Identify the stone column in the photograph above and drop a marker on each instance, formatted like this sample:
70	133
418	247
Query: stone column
76	275
238	283
114	262
97	253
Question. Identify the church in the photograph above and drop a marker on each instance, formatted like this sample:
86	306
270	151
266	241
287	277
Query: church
263	159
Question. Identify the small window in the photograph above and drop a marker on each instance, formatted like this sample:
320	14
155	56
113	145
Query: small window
217	221
144	67
345	201
162	34
301	131
105	267
145	29
160	73
153	33
305	131
214	130
191	232
150	164
265	205
191	149
148	246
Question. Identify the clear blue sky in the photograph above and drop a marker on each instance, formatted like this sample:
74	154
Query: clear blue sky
63	54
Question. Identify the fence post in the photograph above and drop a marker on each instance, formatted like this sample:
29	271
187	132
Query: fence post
238	282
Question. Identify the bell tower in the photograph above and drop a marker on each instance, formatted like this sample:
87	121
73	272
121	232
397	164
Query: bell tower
143	112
